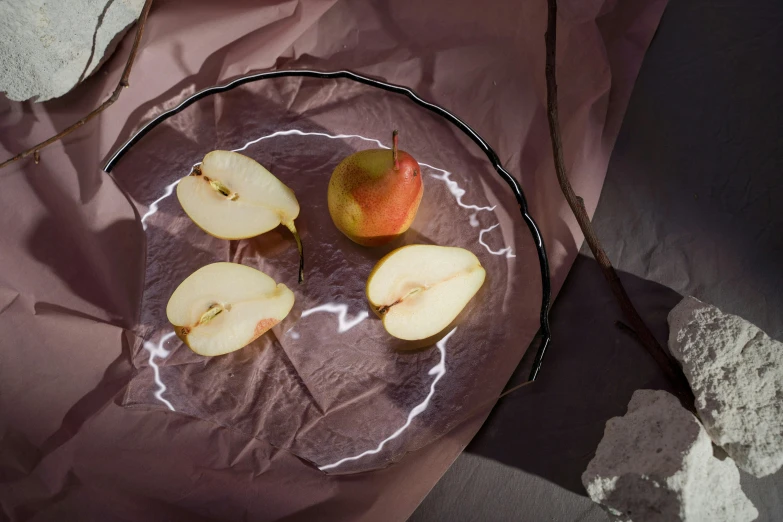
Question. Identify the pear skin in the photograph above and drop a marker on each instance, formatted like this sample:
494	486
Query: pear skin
374	194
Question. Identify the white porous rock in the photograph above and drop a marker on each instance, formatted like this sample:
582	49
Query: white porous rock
49	46
656	464
736	373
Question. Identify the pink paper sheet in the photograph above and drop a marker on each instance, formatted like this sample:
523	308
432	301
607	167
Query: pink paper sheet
72	245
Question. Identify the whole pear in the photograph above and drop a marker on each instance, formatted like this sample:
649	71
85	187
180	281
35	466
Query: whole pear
374	194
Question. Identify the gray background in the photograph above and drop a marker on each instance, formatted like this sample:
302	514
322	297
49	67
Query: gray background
692	205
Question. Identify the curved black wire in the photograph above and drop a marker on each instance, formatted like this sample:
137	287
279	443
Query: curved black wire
546	291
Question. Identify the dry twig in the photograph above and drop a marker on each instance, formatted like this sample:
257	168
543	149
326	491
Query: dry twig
642	333
102	107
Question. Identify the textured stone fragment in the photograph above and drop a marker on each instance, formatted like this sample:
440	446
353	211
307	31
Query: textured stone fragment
47	47
656	463
736	373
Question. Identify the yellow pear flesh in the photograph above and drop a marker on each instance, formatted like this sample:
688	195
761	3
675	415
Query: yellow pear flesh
231	196
223	307
418	290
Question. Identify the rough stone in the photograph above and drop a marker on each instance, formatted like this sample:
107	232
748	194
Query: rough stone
736	373
656	463
49	46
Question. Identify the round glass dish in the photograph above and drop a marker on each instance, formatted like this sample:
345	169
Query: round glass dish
328	383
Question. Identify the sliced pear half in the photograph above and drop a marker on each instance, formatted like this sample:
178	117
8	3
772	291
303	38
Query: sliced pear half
231	196
223	307
418	290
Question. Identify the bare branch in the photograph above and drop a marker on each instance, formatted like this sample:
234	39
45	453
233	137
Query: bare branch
102	107
635	322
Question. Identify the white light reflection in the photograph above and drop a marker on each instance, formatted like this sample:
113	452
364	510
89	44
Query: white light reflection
503	251
154	207
455	189
159	351
439	370
343	323
295	132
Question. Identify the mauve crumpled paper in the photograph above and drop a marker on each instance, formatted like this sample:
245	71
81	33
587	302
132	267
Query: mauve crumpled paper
73	324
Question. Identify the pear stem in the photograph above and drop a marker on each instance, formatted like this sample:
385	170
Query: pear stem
394	150
290	226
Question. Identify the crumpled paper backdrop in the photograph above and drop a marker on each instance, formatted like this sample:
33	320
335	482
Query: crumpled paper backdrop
74	250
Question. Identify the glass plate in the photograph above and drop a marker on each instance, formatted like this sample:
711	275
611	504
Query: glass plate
328	383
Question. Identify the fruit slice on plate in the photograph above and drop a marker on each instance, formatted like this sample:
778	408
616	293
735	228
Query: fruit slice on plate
231	196
223	307
418	290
